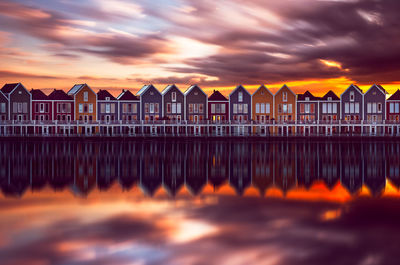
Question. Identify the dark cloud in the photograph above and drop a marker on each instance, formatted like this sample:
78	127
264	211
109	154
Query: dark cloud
17	75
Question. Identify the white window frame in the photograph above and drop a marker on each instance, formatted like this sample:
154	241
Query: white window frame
240	96
85	96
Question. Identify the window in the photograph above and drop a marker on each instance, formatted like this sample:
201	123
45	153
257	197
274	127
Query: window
351	107
90	108
41	107
151	107
85	96
369	107
346	107
240	96
173	108
217	108
284	96
190	108
279	108
213	108
235	108
352	96
396	109
312	108
262	108
200	108
257	108
179	108
245	108
80	108
329	108
329	98
19	107
107	98
240	108
268	108
357	107
334	108
3	107
289	108
222	108
379	107
284	108
168	107
124	107
108	108
134	107
374	107
324	107
173	96
391	107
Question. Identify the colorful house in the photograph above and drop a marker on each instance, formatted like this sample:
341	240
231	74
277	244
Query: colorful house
307	107
150	103
41	106
3	107
19	100
240	105
85	102
329	107
262	105
63	106
393	107
195	104
129	106
218	107
374	104
351	101
107	106
173	103
284	105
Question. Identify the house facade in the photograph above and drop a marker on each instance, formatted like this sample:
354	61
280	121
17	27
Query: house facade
218	107
85	103
351	101
329	107
284	105
240	105
393	107
129	106
150	103
195	104
173	103
3	107
374	106
62	105
41	106
307	107
262	105
20	101
107	106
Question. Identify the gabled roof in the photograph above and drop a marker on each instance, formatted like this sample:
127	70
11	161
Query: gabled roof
307	94
127	95
217	96
239	86
379	87
7	88
193	87
330	94
103	94
38	94
395	96
168	88
2	95
145	88
262	87
76	88
285	86
59	94
354	86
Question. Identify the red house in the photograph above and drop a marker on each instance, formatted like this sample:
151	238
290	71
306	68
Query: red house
63	106
218	107
41	106
393	107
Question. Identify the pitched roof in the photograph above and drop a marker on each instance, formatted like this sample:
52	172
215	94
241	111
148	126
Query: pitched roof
193	87
307	94
59	94
38	94
103	94
262	87
127	95
330	94
379	87
285	86
395	96
7	88
236	88
168	88
2	95
75	89
217	96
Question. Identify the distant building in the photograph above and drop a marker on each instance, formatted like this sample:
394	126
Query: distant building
19	100
195	104
173	103
285	105
307	107
129	106
63	105
374	104
85	102
240	105
41	106
218	107
107	106
150	102
351	104
393	107
262	105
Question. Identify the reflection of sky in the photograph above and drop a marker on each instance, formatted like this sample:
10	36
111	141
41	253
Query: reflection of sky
115	227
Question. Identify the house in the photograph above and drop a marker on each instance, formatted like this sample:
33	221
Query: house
240	105
307	107
195	104
285	105
393	107
262	105
3	107
129	106
41	106
85	102
374	104
150	103
218	107
173	103
351	101
329	107
107	106
19	100
63	106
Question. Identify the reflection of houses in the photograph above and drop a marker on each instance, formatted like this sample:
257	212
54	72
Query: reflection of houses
85	169
352	167
151	168
285	166
129	162
41	165
173	167
392	160
329	159
240	166
262	166
218	163
374	167
307	164
63	165
107	165
196	167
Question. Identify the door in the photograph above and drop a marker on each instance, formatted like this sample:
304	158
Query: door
108	118
88	130
45	130
196	119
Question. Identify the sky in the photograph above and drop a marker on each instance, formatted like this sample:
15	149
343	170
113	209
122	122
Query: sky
314	45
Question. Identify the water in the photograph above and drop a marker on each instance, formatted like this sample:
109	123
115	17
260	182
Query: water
203	202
